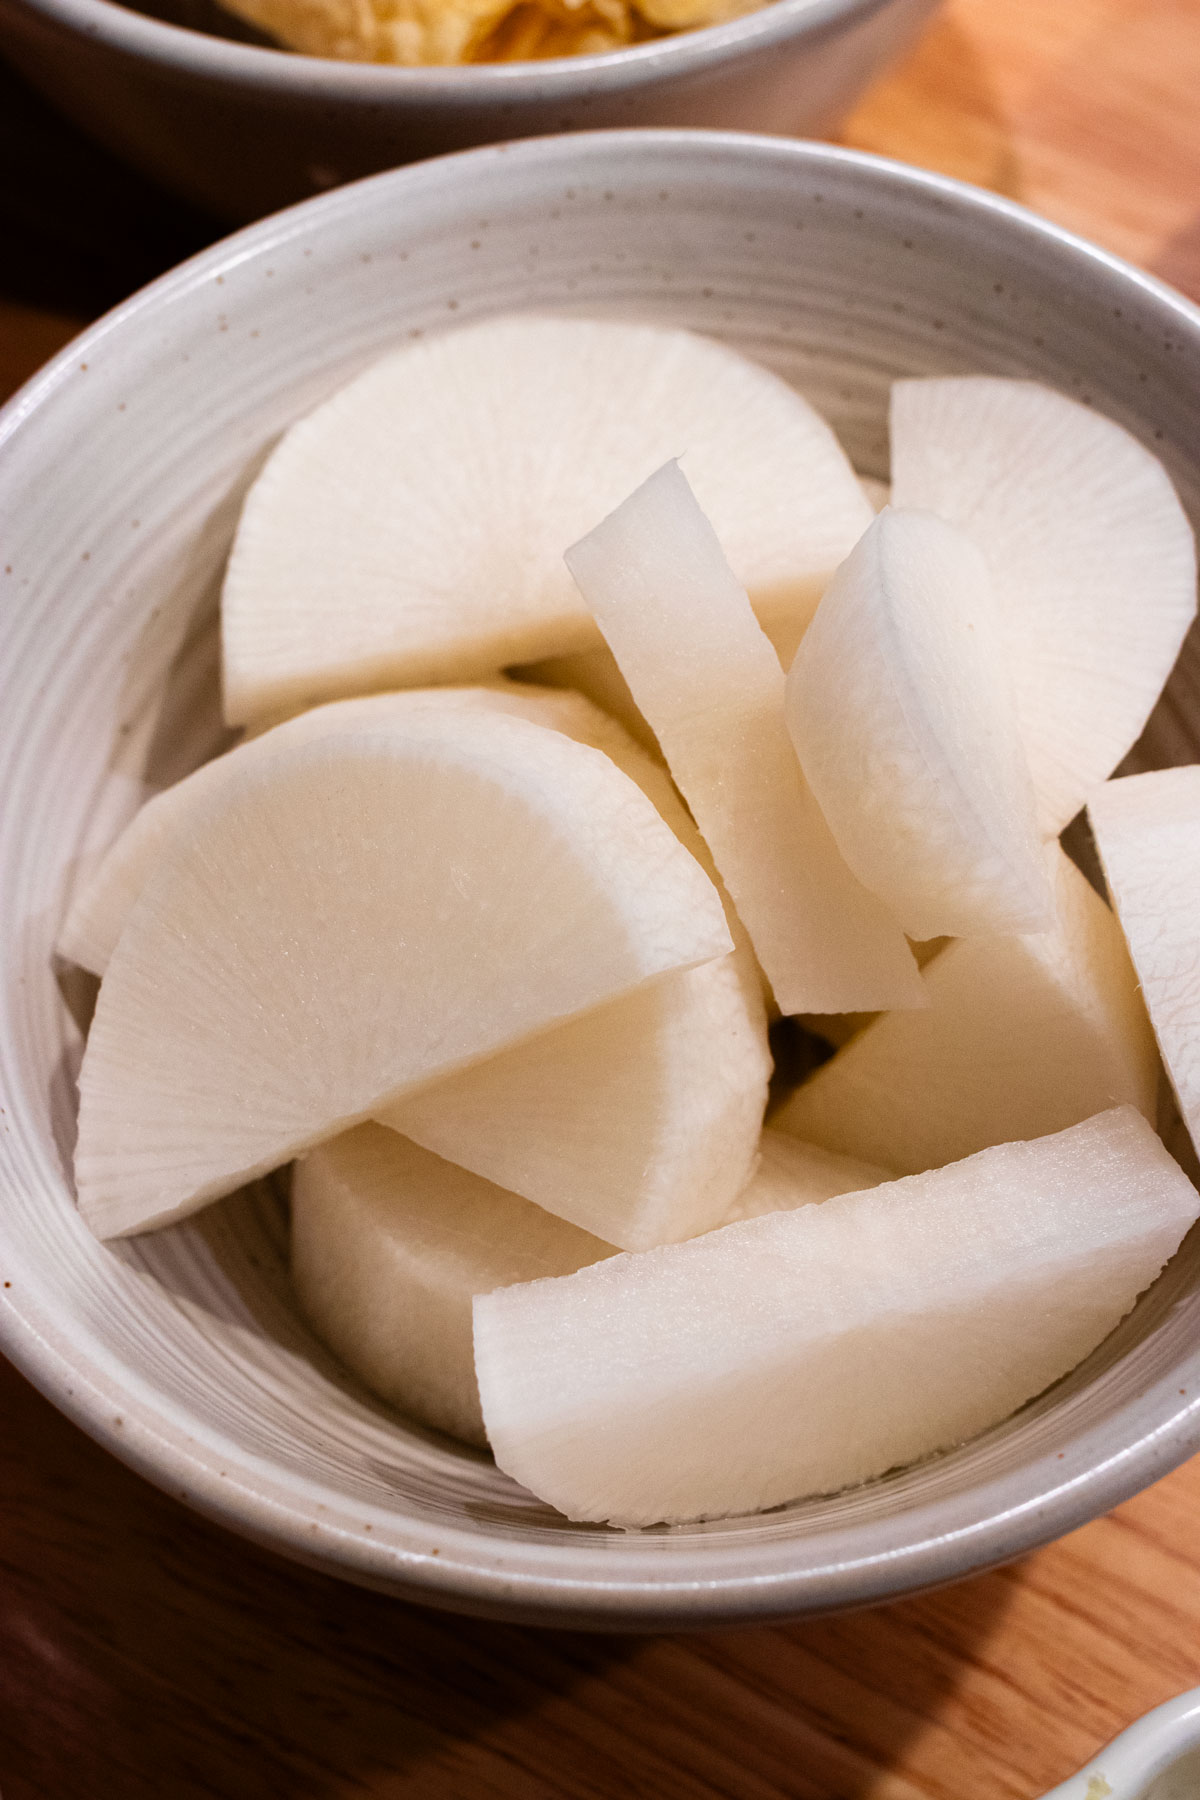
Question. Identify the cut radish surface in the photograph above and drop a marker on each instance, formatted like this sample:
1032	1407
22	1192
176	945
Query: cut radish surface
356	916
390	1245
1091	553
902	714
640	1120
98	912
412	528
1147	832
791	1174
1022	1036
711	688
806	1351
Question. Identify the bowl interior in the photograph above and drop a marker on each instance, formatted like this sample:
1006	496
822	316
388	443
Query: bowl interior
121	471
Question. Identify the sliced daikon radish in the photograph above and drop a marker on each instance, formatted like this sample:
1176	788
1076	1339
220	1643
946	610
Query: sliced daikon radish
99	910
389	1247
1147	832
412	528
638	1122
810	1350
1092	557
901	710
791	1174
356	916
711	688
1022	1036
643	1115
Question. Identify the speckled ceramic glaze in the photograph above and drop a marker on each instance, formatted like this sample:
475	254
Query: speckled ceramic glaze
243	128
121	470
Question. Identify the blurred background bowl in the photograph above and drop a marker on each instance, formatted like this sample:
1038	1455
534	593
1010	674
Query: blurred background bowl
242	128
121	469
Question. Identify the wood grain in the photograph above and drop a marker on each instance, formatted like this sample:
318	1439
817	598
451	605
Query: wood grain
145	1655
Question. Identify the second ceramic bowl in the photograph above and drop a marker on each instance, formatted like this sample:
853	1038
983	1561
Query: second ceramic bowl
243	128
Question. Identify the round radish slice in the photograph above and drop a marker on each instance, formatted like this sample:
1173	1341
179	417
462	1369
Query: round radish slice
412	528
1092	558
351	918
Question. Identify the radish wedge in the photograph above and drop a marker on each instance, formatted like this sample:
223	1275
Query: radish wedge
810	1350
1147	832
1091	553
354	917
389	1247
411	529
711	689
902	715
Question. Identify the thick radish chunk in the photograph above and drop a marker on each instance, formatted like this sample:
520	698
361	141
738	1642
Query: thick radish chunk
1092	557
1147	832
810	1350
389	1247
353	917
411	529
902	713
1022	1036
711	688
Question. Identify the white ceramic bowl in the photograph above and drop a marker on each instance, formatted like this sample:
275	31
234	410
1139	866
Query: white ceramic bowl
1157	1758
241	128
121	467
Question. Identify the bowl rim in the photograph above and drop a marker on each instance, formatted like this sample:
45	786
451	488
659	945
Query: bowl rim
287	74
1011	1514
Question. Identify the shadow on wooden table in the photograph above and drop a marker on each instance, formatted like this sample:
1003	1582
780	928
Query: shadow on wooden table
146	1655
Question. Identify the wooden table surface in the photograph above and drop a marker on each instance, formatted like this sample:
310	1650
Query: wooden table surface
145	1655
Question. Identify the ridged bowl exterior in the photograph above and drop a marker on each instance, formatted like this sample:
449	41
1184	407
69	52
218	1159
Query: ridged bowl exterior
121	470
241	128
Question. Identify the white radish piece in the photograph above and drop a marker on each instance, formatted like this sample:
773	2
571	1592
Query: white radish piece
1092	556
901	710
791	1174
640	1120
389	1247
1022	1036
643	1115
711	689
356	916
411	529
810	1350
100	908
1147	833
